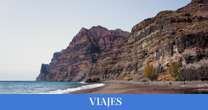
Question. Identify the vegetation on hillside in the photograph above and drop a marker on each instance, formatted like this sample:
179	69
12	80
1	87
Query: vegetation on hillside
150	72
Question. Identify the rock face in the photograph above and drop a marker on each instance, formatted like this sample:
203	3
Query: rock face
199	1
179	36
78	60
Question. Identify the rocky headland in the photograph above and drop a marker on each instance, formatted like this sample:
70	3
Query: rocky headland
171	46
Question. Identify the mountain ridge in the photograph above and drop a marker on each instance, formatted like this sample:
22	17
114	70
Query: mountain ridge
169	42
83	51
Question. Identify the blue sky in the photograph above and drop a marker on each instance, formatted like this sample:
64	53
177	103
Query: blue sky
32	30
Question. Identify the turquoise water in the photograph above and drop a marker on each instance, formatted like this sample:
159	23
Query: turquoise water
34	87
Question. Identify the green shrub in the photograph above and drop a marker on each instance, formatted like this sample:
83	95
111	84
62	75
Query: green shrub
150	72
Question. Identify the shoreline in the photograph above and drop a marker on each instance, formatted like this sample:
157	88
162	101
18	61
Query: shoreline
71	90
131	87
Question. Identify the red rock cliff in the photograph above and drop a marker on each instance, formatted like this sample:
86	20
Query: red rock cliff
171	37
76	62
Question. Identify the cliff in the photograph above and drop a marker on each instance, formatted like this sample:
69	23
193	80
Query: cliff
173	43
78	60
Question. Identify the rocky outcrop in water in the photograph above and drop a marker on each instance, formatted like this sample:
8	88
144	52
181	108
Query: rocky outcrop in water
179	37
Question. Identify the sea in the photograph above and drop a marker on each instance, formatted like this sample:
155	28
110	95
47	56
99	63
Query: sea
36	87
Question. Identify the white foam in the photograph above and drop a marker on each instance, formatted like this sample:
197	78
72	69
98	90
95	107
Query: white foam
69	90
83	82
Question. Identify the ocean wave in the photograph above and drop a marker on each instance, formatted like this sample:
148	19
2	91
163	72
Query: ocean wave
69	90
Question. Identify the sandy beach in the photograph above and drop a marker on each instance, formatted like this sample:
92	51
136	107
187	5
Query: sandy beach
122	87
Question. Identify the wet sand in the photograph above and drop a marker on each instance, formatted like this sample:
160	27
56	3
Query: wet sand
121	87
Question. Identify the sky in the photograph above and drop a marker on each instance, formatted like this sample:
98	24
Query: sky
32	30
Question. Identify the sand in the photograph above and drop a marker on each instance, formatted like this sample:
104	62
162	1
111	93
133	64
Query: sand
116	87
